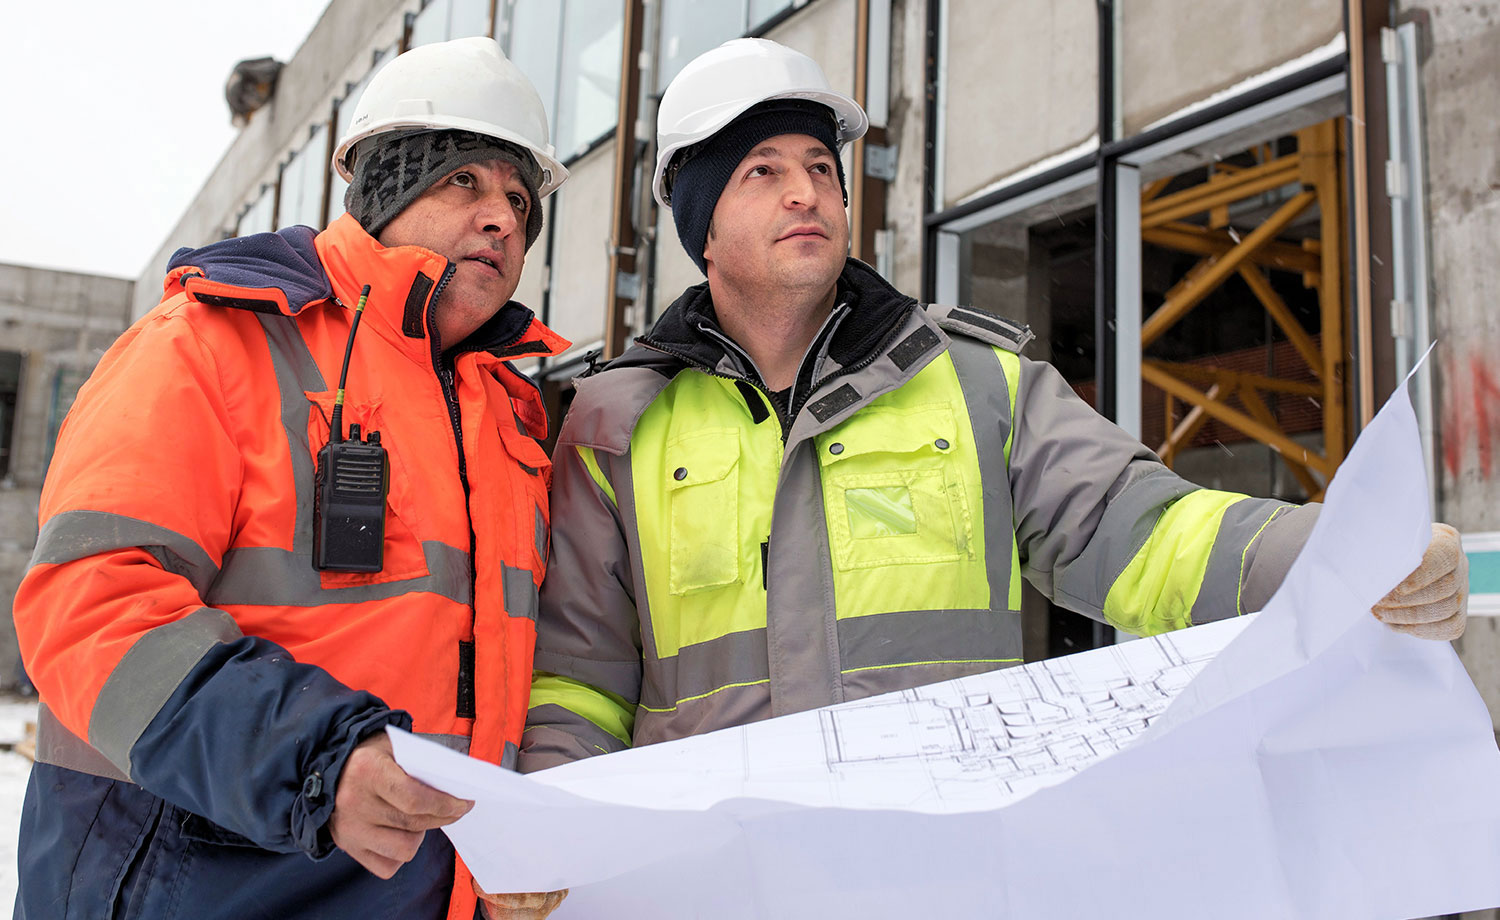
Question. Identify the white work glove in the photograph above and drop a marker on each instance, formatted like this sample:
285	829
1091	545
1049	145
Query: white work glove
534	905
1433	601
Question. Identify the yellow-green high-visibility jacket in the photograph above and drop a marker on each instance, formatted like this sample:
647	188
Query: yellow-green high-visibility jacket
722	554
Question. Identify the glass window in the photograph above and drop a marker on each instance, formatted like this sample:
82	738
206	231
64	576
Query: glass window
258	218
469	17
431	25
336	183
691	27
532	36
761	10
302	183
589	78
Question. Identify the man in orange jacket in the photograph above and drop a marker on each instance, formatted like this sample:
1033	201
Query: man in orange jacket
269	531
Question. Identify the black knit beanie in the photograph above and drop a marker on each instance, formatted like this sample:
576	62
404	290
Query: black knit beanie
393	170
706	168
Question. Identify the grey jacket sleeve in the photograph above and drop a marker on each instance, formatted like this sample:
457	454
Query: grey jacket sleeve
588	656
1090	500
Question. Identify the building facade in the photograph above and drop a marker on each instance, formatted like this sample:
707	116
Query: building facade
56	325
1235	227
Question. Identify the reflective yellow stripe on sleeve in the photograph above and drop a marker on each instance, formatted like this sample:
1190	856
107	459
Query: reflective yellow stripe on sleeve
606	710
1156	591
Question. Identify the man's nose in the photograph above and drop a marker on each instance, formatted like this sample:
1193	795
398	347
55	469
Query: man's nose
497	215
799	189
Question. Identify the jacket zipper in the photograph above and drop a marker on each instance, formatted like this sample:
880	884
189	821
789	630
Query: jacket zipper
465	703
699	366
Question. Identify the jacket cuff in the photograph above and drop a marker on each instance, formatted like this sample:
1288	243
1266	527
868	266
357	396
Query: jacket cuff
313	807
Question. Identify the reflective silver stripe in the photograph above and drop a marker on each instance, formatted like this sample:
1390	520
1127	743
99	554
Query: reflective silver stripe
1122	530
77	534
270	577
981	378
296	372
1219	595
930	636
58	746
801	631
520	592
698	670
725	706
622	678
1272	553
874	681
539	533
148	675
511	753
555	735
617	469
459	743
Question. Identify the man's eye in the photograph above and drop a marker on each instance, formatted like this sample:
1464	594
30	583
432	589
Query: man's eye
520	202
759	171
463	179
824	168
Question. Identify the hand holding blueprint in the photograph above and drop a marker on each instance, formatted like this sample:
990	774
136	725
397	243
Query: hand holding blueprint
1303	762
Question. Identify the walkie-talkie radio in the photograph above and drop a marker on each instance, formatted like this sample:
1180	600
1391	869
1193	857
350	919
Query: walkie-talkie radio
352	480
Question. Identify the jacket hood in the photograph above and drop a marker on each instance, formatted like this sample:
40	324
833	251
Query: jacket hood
265	272
876	311
293	268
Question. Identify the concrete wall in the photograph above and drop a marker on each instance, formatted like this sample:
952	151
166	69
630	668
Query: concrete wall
1020	85
56	320
907	130
304	95
1174	53
1460	86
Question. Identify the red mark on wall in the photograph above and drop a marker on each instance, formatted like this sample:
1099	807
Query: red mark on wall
1471	411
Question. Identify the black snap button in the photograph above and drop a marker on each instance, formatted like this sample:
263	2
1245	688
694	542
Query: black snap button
681	474
941	443
835	448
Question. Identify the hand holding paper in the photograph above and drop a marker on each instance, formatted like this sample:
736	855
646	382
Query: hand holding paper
1433	601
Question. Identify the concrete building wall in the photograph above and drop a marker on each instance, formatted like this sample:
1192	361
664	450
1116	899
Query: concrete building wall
304	90
1174	54
907	130
1020	85
61	323
1460	85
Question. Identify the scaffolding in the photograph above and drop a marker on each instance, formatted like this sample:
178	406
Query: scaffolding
1314	171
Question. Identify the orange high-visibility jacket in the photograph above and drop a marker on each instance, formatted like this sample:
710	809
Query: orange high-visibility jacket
180	638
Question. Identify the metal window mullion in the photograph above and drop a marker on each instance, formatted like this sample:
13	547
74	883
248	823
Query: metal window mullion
1127	279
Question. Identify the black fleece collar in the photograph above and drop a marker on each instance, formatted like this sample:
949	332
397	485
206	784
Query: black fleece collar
876	311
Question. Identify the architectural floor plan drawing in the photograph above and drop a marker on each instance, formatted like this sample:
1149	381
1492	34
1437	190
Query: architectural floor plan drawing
996	737
1304	762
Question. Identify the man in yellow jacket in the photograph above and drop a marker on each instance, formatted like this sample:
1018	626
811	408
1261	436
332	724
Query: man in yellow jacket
802	487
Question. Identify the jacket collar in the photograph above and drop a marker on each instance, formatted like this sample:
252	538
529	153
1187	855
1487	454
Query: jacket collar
689	330
290	270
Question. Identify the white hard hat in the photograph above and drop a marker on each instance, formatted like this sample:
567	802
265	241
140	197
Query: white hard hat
462	85
718	86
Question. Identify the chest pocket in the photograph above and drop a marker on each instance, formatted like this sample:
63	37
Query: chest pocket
703	489
893	488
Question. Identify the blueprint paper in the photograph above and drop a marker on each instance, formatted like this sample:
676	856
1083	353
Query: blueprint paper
1319	765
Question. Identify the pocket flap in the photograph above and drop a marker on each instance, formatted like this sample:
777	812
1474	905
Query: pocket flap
702	456
891	431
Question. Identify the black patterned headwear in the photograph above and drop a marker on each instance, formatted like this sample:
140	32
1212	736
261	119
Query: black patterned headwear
393	170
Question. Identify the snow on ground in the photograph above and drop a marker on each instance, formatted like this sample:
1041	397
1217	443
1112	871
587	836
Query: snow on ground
14	771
